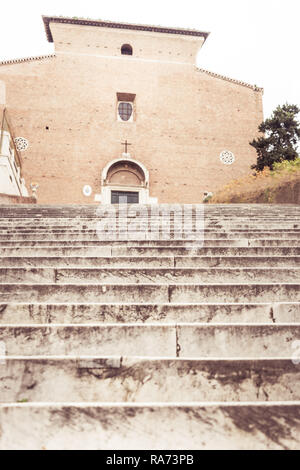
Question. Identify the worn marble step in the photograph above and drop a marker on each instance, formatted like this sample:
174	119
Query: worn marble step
213	232
128	211
108	251
123	379
196	343
280	223
79	235
241	248
121	248
98	261
39	313
150	261
161	275
90	212
203	218
147	293
210	231
184	340
262	213
234	261
102	426
62	217
67	219
109	211
48	251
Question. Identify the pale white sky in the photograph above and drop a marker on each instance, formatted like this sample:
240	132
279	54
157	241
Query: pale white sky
256	41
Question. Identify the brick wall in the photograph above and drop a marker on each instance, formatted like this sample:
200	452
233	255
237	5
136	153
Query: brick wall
66	106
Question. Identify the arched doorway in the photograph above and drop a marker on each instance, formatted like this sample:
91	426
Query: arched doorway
125	181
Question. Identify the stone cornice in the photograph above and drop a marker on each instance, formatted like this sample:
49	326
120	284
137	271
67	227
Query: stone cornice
110	24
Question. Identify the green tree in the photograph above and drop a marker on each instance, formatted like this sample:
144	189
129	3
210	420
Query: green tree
281	136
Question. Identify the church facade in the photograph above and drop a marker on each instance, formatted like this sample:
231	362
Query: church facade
121	113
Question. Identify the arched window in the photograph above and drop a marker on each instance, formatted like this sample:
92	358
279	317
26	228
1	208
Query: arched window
125	180
126	49
126	173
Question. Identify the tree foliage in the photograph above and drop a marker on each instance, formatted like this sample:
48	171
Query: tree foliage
281	136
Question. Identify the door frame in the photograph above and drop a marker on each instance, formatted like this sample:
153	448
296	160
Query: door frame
126	192
105	196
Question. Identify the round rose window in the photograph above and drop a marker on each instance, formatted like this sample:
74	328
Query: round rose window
21	144
227	157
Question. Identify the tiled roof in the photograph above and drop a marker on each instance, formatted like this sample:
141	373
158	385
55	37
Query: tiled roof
228	79
26	59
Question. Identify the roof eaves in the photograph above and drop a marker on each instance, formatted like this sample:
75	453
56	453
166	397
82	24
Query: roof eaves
233	80
110	24
26	59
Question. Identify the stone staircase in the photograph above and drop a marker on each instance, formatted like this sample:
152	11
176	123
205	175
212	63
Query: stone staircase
150	344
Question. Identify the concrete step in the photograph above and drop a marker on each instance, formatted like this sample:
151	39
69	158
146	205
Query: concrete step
184	340
150	261
161	275
40	313
235	426
108	251
131	379
147	293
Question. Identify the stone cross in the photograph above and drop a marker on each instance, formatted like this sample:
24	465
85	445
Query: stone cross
126	144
